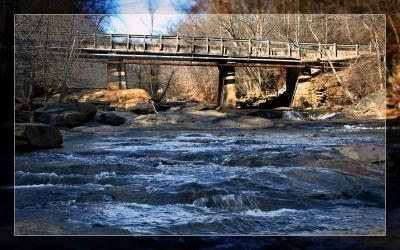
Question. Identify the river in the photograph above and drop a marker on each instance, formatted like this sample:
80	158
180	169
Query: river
291	180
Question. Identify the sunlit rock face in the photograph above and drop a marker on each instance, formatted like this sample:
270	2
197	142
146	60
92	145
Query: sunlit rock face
122	99
370	107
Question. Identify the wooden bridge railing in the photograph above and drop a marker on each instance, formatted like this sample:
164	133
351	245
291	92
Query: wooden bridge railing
218	46
205	45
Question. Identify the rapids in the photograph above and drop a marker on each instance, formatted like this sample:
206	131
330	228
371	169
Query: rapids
228	182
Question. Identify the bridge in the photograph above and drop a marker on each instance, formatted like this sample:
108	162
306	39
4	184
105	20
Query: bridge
225	53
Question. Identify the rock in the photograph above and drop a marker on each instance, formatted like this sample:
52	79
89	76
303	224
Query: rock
105	108
244	122
143	108
371	106
200	107
87	108
100	102
364	152
36	135
314	71
162	106
303	95
347	165
206	113
66	119
122	98
111	119
258	103
66	114
55	108
175	108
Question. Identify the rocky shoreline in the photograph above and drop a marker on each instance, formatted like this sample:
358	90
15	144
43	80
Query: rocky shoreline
135	110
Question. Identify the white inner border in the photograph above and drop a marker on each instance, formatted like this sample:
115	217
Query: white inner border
215	235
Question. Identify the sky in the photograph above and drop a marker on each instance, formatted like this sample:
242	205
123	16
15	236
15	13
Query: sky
134	15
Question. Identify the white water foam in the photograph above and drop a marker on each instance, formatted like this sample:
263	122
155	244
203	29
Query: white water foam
323	116
358	127
274	213
296	115
35	186
105	174
52	174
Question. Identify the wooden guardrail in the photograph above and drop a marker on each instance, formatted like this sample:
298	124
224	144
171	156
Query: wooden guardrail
204	45
218	46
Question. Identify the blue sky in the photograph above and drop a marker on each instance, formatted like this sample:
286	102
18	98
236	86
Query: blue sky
134	16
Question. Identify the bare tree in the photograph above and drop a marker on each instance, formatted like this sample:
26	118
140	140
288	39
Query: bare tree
43	31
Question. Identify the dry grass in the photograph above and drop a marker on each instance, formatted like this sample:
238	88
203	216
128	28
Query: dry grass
124	98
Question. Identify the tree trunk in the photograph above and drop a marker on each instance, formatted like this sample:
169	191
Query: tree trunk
166	88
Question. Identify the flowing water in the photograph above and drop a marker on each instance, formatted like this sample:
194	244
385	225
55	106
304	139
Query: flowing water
263	182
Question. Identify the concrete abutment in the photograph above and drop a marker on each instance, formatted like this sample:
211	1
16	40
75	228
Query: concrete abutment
116	76
227	87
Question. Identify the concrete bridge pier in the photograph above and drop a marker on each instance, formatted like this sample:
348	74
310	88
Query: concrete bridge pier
292	75
227	87
116	76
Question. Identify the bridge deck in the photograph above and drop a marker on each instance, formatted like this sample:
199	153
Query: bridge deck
207	49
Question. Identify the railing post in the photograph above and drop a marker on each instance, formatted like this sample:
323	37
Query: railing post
94	40
78	40
335	49
357	50
208	46
127	42
177	43
250	48
144	42
268	48
320	50
222	46
289	50
193	46
111	41
161	43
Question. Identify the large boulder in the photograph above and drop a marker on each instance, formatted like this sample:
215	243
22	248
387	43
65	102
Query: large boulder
65	119
143	108
87	108
36	135
371	106
110	118
55	108
66	114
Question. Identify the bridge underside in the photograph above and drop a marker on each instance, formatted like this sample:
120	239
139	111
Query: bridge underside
214	60
117	77
226	67
226	84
